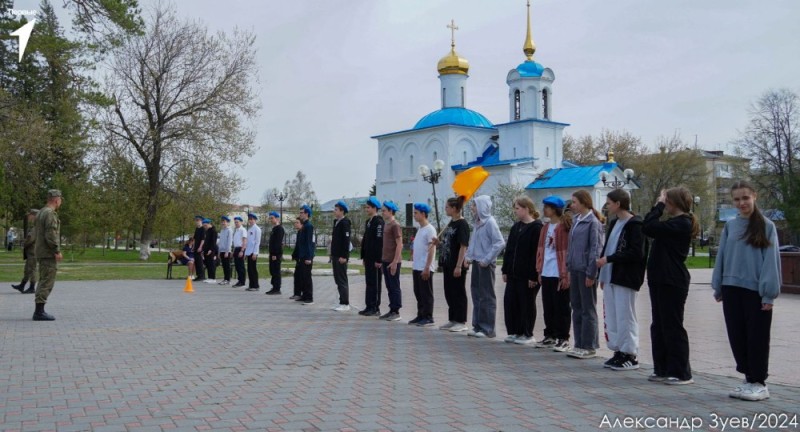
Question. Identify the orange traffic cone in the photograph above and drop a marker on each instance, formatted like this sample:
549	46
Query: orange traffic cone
188	288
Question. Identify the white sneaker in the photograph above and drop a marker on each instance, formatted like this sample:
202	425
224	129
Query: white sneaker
458	327
511	338
737	392
334	306
479	334
447	326
471	333
522	340
210	281
754	392
342	308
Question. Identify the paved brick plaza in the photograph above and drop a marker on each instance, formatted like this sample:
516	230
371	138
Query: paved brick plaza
143	355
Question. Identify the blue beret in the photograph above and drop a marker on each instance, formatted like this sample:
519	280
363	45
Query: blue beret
554	201
198	217
391	206
226	218
206	220
423	208
306	209
239	218
342	205
372	201
275	214
252	216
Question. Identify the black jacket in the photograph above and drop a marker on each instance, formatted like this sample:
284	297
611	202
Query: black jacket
670	247
199	236
340	240
276	242
630	257
519	259
211	241
372	243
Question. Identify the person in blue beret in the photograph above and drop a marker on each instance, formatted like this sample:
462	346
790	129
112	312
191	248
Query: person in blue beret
224	245
371	254
251	250
276	237
340	254
423	252
210	250
392	259
305	255
199	242
239	244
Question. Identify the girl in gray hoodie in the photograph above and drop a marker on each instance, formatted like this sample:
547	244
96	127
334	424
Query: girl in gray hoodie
484	247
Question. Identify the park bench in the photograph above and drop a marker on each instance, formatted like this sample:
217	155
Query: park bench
172	260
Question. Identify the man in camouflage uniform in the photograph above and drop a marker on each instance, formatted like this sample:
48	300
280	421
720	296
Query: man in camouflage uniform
29	256
48	251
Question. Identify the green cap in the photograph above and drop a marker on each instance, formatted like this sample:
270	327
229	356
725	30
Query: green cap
53	193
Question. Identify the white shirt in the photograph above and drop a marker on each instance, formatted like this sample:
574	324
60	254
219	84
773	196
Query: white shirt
550	265
239	234
253	240
422	242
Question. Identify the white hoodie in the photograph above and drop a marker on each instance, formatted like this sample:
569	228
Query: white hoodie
486	242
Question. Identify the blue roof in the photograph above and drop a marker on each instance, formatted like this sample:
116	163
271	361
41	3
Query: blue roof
584	176
489	158
454	116
530	68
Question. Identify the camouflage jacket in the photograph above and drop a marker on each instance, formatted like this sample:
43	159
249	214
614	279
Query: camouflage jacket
48	233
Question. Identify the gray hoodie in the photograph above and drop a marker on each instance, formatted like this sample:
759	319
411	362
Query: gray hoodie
585	245
487	241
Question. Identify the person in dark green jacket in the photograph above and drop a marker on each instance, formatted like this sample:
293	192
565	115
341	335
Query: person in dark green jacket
48	251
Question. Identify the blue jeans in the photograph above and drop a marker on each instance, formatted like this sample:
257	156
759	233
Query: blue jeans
393	286
484	301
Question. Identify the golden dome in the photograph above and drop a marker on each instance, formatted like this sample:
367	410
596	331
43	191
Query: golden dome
452	63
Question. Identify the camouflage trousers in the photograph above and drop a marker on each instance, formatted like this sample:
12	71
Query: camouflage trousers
47	279
30	269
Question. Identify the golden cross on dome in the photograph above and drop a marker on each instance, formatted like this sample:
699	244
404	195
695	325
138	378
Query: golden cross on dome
453	27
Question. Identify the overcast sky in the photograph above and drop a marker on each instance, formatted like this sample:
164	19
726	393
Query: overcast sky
334	73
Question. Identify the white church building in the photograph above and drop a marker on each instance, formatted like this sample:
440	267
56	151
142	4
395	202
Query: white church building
526	150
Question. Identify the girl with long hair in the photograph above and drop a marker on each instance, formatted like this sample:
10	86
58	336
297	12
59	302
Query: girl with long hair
585	245
455	240
747	279
668	281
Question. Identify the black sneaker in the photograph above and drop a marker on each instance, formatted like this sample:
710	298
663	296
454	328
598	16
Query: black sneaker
373	313
20	287
43	316
273	292
425	322
414	321
252	289
626	362
613	360
237	285
365	312
547	342
390	316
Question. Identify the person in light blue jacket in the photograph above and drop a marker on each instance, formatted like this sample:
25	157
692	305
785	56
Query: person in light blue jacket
484	247
747	279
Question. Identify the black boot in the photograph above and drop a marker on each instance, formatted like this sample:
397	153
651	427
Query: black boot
21	285
31	289
41	315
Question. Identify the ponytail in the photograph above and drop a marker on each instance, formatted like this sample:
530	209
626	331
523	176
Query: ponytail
599	215
457	202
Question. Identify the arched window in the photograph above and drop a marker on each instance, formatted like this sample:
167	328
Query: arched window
515	152
547	152
444	95
465	157
411	165
391	168
435	156
463	97
545	104
516	104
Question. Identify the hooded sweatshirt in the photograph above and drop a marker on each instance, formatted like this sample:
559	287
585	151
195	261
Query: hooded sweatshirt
487	241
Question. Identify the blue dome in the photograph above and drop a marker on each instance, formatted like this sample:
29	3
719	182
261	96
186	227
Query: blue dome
454	116
530	69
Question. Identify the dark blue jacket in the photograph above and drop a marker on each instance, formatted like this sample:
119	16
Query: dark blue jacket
304	248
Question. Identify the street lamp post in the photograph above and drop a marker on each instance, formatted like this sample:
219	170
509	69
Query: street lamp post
616	183
280	196
432	176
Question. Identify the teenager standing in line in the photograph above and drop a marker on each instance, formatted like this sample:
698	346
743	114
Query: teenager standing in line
484	247
454	267
551	264
747	279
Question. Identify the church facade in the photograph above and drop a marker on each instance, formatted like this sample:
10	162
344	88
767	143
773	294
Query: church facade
520	151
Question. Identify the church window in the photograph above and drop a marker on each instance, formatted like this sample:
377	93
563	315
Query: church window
516	104
515	152
462	97
547	152
435	156
391	168
465	157
545	103
411	165
444	94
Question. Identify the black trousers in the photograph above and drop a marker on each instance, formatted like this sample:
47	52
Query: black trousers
668	338
423	291
340	278
519	305
302	275
211	265
199	265
748	331
556	308
225	260
239	263
275	273
372	277
252	271
455	293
